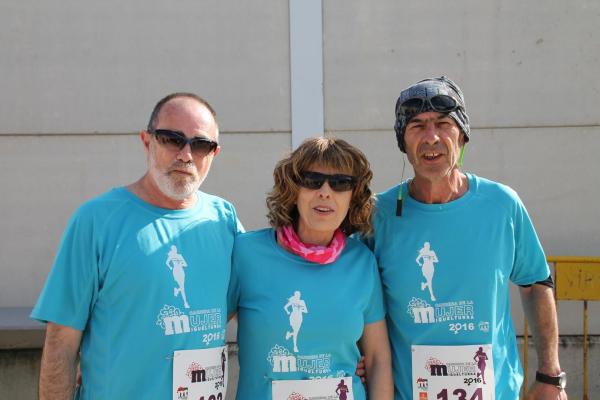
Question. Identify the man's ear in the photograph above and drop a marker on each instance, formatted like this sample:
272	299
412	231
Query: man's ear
145	137
217	150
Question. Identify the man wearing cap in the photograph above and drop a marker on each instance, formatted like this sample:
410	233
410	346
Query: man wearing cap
138	287
448	244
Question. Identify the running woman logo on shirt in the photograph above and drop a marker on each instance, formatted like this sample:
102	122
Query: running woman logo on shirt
426	260
295	307
176	263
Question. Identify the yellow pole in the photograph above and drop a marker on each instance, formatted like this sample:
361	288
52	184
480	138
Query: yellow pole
525	357
585	350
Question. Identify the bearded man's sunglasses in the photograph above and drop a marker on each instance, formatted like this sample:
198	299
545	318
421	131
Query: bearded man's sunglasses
175	140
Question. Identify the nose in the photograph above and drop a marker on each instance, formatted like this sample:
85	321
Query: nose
185	154
430	133
325	190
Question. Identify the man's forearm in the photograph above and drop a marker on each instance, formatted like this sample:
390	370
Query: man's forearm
58	367
540	309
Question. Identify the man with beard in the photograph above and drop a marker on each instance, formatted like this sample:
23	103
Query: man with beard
483	239
109	296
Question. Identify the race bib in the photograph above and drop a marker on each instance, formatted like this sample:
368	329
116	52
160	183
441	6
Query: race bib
313	389
200	374
453	372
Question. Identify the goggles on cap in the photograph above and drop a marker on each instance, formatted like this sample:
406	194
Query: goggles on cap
416	105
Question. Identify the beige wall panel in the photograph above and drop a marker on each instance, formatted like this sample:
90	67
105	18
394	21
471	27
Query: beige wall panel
81	67
519	63
243	173
45	178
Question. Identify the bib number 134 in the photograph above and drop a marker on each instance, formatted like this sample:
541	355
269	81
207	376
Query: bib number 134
213	397
460	394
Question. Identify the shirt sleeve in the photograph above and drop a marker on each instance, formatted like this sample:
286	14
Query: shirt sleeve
72	285
529	264
239	228
375	310
237	224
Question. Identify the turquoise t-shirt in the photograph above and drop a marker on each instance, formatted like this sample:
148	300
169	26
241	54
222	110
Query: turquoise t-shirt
297	319
445	271
140	282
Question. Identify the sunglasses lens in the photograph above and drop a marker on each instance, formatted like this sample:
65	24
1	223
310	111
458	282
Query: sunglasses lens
412	106
443	103
341	183
170	140
312	180
202	147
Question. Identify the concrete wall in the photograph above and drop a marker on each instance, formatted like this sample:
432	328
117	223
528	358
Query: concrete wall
78	80
98	67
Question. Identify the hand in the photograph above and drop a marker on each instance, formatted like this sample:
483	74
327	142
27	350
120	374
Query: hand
361	370
543	391
78	376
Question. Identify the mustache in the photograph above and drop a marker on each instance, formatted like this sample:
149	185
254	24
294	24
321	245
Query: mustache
434	149
183	166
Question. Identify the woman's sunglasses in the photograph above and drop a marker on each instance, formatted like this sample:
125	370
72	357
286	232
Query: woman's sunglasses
337	182
176	141
416	105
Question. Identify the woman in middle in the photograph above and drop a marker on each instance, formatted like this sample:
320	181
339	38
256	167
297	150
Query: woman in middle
308	297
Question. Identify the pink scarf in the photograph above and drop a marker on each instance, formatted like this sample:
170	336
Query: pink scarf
287	236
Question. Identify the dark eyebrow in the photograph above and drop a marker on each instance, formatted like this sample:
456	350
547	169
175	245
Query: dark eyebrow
443	116
419	120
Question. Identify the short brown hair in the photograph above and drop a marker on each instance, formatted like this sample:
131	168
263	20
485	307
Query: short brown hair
331	153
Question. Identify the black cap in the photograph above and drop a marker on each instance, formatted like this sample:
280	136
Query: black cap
426	89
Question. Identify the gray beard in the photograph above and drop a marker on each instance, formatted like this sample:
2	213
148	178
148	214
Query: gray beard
173	189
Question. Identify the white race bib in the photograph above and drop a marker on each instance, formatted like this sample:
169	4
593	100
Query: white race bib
200	374
321	389
453	372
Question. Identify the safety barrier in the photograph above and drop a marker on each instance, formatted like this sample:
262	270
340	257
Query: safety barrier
575	278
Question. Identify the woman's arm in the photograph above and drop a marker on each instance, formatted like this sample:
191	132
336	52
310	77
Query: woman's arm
374	344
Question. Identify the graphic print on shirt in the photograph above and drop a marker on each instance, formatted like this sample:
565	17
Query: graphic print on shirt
176	263
458	314
174	321
286	357
426	260
298	307
182	319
